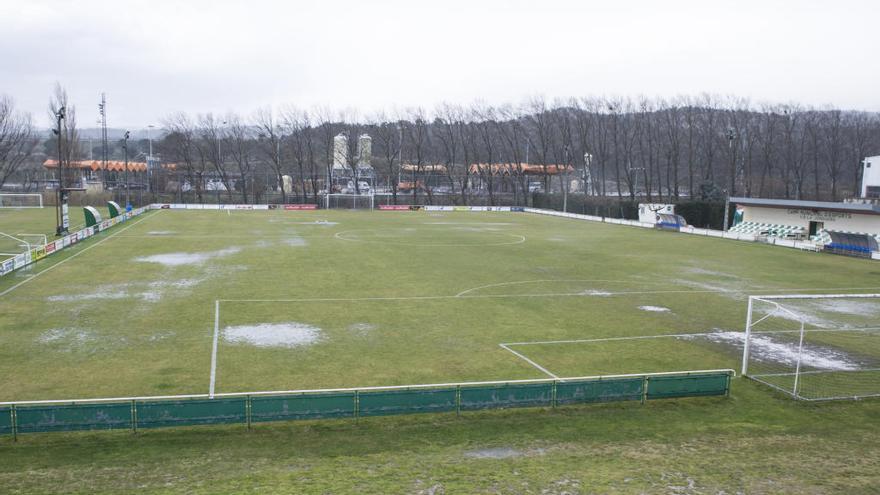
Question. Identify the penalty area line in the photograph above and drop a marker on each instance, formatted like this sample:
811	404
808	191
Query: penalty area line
536	365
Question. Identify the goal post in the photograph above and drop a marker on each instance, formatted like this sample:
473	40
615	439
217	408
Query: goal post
814	346
349	201
21	200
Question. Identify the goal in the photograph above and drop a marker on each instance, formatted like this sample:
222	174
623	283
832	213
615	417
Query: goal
21	200
349	201
814	347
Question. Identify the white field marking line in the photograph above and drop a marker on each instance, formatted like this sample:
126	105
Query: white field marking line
607	339
678	335
74	255
214	349
338	235
536	365
502	296
728	371
520	282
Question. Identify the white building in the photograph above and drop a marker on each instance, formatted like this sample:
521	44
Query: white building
365	151
871	178
340	151
850	227
810	217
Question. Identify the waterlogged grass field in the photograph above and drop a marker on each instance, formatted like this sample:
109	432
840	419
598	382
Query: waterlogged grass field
305	300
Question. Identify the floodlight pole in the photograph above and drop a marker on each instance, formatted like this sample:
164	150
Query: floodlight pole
726	212
127	188
60	228
150	157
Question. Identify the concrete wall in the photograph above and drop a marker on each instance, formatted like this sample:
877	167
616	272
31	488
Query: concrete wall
834	220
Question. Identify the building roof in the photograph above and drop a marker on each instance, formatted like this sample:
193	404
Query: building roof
433	167
112	165
524	168
860	208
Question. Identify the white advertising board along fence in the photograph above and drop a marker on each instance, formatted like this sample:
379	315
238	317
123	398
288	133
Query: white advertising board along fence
39	252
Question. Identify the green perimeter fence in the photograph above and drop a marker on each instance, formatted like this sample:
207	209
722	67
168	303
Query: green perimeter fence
248	408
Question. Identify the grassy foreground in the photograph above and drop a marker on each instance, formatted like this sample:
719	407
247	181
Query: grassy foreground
752	442
411	298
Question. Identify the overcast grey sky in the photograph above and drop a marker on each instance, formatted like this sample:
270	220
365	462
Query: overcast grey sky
156	57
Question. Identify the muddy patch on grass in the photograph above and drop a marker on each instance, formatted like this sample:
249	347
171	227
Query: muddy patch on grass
712	273
362	329
181	259
285	335
494	453
159	337
655	309
77	340
773	349
104	292
151	292
65	335
294	241
595	292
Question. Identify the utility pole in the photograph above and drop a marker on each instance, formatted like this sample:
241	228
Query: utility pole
62	222
150	163
102	108
127	186
731	136
567	180
635	171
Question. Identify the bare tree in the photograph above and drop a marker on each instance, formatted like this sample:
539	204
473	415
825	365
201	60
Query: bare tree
68	139
211	134
389	136
18	139
301	143
269	145
240	143
181	147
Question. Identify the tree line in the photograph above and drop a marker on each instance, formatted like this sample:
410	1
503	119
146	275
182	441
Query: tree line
703	147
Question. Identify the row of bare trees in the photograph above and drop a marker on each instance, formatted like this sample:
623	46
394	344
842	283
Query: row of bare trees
662	149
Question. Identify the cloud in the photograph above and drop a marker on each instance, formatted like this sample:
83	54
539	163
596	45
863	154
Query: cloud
156	57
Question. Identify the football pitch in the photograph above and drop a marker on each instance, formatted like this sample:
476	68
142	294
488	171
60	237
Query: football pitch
193	302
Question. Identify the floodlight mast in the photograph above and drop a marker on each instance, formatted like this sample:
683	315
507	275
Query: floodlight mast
127	188
60	211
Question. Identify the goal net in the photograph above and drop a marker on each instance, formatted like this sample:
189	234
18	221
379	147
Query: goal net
814	347
349	201
18	200
15	244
